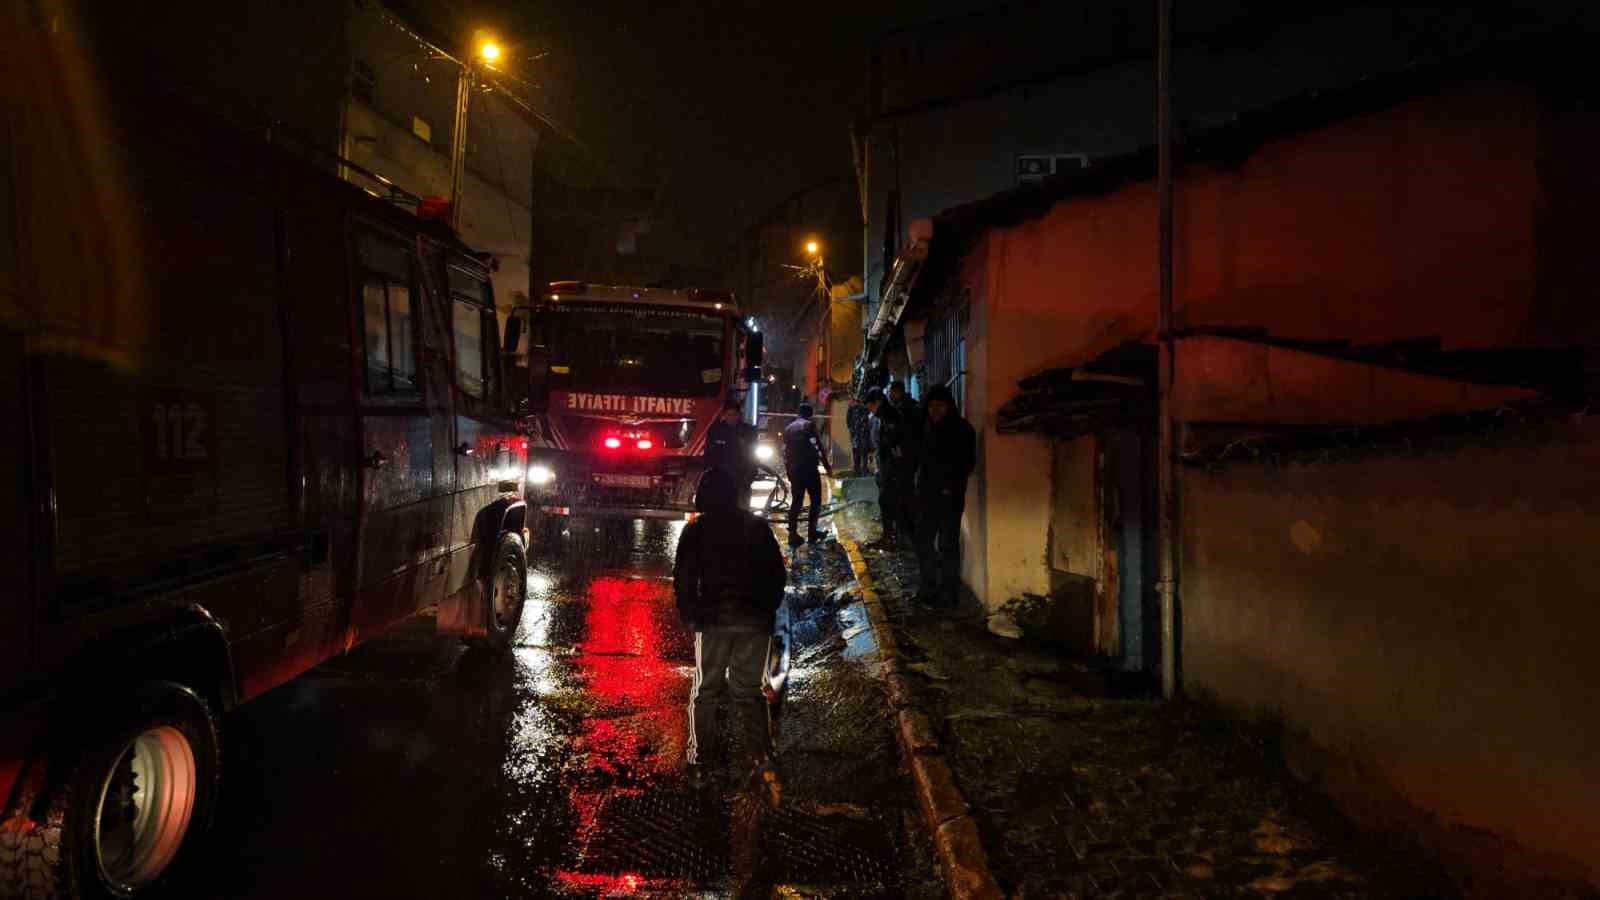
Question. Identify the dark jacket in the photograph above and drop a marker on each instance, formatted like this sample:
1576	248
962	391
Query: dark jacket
729	571
895	460
802	449
732	449
913	421
860	422
949	453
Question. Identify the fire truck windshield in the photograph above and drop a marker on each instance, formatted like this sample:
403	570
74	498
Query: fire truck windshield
634	350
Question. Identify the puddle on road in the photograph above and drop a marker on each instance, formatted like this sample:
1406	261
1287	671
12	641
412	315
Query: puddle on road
556	768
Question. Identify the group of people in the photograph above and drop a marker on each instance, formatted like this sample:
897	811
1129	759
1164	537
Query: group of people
924	455
730	446
729	574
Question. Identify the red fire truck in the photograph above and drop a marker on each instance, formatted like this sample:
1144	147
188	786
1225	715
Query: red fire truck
626	382
253	415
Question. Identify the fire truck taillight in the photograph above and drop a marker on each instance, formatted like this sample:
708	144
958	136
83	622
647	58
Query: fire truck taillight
613	443
645	444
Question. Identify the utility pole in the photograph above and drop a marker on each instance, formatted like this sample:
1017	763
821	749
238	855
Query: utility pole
1166	464
458	141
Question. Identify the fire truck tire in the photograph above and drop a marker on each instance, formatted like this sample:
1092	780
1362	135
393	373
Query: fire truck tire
139	794
506	586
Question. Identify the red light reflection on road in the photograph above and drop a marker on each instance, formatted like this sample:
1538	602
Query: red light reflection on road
622	665
637	729
603	885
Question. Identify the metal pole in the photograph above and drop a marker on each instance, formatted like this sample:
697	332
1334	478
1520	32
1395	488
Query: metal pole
458	143
1167	585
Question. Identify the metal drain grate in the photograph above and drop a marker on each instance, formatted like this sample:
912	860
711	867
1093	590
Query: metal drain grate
660	835
686	837
808	849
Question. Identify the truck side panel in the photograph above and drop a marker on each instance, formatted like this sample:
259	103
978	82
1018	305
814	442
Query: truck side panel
166	424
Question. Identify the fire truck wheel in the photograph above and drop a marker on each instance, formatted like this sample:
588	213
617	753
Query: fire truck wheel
506	586
139	794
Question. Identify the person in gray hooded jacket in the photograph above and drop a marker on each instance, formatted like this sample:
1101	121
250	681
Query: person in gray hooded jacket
728	580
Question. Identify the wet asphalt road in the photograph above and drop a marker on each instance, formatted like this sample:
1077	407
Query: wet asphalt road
414	768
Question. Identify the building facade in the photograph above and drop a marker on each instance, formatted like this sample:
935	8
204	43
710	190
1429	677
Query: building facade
1385	315
964	108
808	305
397	119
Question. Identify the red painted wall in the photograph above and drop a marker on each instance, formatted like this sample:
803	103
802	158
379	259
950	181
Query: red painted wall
1433	218
1415	221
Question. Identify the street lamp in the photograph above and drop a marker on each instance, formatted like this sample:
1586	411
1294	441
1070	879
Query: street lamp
813	248
488	52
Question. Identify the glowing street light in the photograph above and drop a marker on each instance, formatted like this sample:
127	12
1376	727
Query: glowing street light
813	248
490	51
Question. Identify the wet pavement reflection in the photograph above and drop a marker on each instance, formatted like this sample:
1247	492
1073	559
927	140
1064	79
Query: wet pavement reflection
414	768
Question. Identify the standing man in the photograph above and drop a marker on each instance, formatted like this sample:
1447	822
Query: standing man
802	452
949	452
860	437
730	446
728	580
895	472
912	418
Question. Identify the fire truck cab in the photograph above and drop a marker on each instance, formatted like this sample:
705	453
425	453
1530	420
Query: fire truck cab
625	382
254	415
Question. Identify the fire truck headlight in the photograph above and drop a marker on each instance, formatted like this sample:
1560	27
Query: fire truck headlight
541	475
763	452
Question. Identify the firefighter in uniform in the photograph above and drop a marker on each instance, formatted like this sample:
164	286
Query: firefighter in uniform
860	422
895	474
730	446
802	451
949	452
728	580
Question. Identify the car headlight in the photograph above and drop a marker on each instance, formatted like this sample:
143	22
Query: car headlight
541	475
763	452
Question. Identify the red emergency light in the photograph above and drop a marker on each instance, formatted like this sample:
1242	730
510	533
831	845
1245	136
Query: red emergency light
629	440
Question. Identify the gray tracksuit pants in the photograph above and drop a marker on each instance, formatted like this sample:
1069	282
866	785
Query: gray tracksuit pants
729	664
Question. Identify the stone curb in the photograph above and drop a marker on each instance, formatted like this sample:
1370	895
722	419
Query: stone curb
945	811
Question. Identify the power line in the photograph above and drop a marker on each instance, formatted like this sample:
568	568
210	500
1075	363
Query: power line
491	78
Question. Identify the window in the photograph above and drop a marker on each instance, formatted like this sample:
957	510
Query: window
389	322
473	323
947	349
622	349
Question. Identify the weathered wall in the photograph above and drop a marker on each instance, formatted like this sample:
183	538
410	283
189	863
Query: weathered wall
1415	221
1428	616
408	84
491	221
957	153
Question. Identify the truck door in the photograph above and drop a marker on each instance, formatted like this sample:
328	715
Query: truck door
490	459
408	473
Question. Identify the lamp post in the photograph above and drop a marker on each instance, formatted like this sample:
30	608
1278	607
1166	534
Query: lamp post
487	52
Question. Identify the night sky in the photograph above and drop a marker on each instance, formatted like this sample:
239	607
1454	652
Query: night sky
725	107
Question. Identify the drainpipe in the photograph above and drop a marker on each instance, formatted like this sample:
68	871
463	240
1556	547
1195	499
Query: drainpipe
1166	463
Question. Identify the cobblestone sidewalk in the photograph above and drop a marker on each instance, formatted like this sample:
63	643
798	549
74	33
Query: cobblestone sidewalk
1078	795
